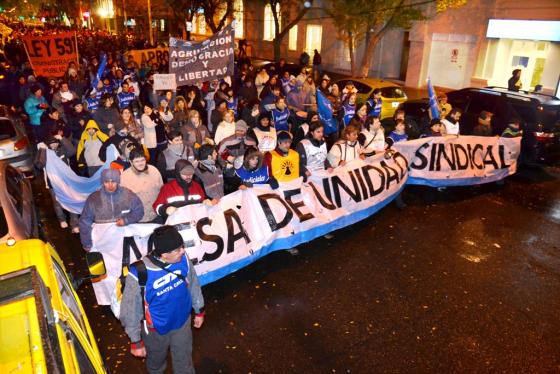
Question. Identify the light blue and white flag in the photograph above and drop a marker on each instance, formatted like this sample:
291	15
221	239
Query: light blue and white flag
72	190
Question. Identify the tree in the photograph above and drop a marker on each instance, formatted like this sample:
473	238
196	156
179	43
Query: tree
368	21
222	10
291	12
184	10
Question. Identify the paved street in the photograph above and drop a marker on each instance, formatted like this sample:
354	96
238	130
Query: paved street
464	280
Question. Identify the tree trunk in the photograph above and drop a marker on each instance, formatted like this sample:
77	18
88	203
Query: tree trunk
370	44
351	53
277	42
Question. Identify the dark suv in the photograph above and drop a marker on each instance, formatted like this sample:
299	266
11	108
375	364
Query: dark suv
539	114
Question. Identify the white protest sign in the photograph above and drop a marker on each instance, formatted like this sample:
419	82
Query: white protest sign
165	82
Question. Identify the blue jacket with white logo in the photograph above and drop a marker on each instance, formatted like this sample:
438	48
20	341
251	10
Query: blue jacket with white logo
374	107
167	298
281	119
258	176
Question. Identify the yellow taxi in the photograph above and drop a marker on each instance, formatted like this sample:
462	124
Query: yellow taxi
43	327
392	95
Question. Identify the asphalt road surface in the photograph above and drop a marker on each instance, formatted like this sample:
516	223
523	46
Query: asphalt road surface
465	280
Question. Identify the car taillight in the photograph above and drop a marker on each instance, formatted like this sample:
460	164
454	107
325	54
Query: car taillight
21	144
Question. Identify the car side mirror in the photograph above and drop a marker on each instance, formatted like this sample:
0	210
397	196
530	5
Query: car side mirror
95	263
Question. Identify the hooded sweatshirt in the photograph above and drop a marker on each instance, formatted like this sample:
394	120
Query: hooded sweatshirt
89	146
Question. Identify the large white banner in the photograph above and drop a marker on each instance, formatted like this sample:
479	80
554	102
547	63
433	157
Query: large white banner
460	160
249	224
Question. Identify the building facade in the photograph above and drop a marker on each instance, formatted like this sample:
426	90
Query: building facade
452	48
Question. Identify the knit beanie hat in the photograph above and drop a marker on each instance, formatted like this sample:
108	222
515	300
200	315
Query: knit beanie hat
165	239
111	175
241	125
183	167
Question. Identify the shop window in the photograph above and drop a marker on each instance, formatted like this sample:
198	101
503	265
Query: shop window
313	38
269	27
520	61
292	38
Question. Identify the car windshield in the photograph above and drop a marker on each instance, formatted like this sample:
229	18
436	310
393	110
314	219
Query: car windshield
7	130
392	93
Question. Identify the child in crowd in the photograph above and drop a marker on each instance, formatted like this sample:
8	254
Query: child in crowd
435	129
88	148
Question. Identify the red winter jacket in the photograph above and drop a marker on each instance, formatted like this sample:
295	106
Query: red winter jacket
171	194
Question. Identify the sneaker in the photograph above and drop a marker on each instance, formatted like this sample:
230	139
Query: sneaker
63	225
328	236
75	230
294	251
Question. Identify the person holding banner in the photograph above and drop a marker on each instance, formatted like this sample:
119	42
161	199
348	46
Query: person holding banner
451	122
111	203
283	162
372	137
179	192
251	172
435	129
348	148
313	151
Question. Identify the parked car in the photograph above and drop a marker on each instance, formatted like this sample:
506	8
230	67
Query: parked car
43	327
18	218
539	113
392	94
15	147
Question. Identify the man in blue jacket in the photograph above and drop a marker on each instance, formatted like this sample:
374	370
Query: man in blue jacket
35	106
111	203
161	321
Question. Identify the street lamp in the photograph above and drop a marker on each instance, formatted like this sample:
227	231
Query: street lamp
106	11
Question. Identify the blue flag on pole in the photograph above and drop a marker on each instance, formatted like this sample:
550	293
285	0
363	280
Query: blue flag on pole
325	111
434	107
100	70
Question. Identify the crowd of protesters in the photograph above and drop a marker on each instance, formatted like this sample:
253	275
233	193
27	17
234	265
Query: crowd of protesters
198	143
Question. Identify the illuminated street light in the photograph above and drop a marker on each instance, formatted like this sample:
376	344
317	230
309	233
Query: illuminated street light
106	11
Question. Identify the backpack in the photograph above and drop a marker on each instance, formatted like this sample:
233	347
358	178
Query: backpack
139	265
